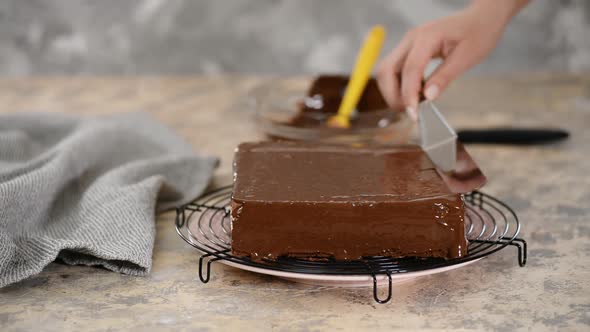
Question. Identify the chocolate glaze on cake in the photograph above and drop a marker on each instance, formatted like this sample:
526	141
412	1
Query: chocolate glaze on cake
312	200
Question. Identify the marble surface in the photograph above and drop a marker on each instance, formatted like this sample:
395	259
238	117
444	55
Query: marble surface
253	36
548	186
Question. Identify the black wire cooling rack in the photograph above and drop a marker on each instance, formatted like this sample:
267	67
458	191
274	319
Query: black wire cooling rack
205	224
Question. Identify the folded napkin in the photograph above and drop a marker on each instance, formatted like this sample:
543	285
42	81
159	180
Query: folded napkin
86	190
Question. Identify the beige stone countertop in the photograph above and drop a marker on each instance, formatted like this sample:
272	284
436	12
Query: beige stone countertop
548	186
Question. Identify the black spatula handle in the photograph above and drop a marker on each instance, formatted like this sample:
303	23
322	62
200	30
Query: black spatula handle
514	136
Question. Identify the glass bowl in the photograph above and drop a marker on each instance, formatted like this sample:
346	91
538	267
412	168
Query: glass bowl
278	103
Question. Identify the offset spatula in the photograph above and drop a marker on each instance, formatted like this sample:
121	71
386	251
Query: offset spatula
439	141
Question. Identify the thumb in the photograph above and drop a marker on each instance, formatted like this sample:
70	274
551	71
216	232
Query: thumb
456	63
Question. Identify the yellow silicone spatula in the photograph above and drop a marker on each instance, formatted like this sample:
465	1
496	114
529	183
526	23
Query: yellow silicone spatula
361	73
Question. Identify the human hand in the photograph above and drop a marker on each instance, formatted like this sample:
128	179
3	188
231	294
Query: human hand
461	40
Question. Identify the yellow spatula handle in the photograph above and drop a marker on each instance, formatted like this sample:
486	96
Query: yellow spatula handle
361	73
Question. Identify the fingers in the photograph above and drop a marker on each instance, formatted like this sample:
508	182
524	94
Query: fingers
387	74
462	57
413	71
408	62
388	84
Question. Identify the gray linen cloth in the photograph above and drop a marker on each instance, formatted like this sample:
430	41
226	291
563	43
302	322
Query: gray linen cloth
86	190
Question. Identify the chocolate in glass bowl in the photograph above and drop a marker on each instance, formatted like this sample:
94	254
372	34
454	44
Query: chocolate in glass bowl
288	111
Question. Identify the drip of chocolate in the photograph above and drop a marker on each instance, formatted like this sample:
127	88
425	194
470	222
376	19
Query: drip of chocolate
314	200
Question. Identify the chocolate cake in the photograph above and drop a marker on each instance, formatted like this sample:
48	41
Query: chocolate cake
314	200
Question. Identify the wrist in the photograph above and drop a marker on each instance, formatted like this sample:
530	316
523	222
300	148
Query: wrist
502	10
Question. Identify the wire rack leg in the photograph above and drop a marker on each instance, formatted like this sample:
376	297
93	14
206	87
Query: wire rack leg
522	250
389	291
205	279
180	217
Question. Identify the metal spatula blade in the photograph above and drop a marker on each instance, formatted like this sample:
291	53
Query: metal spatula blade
439	141
467	176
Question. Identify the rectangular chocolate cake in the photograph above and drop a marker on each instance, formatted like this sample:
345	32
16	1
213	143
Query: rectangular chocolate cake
311	200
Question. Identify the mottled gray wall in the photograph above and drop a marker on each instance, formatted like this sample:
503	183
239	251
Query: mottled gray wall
257	36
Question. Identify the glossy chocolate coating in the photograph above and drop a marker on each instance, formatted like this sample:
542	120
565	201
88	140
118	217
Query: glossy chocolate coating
309	200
